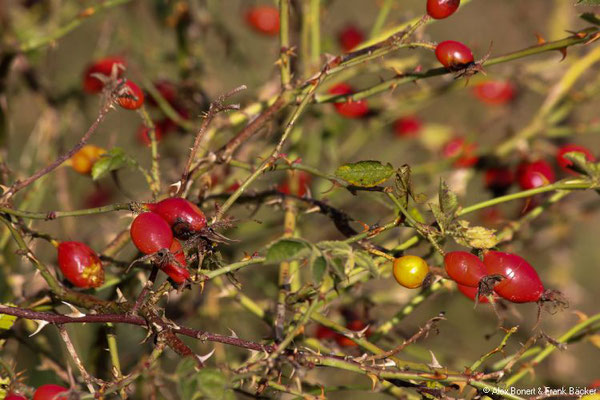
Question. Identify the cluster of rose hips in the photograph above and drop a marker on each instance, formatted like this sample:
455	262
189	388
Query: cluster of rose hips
44	392
159	229
511	277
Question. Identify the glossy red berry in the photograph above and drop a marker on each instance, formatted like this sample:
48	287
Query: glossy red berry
92	84
50	392
494	92
183	216
143	133
80	265
349	108
263	19
13	396
499	179
407	126
131	96
535	174
565	163
463	151
301	181
178	273
453	55
440	9
150	233
521	284
471	292
350	37
464	268
354	325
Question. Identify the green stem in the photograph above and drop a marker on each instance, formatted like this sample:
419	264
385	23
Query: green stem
384	11
50	215
284	41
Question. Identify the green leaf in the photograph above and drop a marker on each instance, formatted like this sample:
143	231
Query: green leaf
476	237
7	321
365	173
445	211
214	385
110	161
365	260
591	18
319	267
287	249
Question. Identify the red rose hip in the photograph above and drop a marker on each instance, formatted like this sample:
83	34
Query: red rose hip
131	96
50	392
183	216
565	163
521	284
92	84
494	92
350	37
471	292
349	108
440	9
178	273
535	174
464	268
13	396
80	265
150	233
263	19
453	55
407	126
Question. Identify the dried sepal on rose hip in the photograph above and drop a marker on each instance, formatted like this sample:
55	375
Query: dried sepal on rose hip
130	96
150	233
184	217
106	67
410	271
80	265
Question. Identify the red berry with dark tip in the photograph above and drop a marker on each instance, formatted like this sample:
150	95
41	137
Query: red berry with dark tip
263	19
440	9
92	84
565	163
407	126
471	292
150	233
499	179
178	273
350	37
349	108
50	392
183	216
80	265
130	96
521	284
453	55
464	268
494	92
535	174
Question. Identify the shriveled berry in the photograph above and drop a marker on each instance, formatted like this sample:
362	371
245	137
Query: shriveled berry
92	84
50	392
80	265
494	92
150	233
565	163
464	268
453	55
410	271
130	96
350	37
178	273
85	158
183	216
440	9
263	19
407	126
535	174
521	284
349	108
463	151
